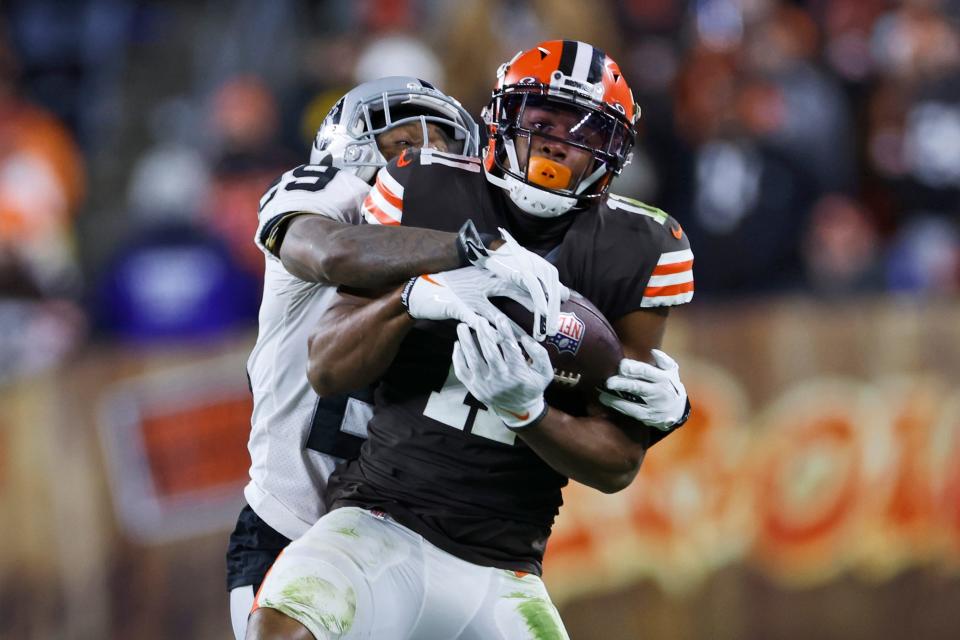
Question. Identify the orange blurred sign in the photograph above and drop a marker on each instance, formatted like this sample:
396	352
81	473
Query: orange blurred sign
197	448
834	475
175	444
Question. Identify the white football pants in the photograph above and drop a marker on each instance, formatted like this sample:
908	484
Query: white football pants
356	574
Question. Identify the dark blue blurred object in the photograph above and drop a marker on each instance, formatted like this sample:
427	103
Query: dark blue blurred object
174	282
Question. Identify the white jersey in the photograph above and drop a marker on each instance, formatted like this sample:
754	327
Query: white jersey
295	437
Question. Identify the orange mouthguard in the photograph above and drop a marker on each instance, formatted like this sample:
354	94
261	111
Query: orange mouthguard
547	173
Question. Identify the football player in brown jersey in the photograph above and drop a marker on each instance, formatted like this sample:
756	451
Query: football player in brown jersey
439	527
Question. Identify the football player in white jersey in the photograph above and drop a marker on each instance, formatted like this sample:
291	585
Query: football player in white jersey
310	232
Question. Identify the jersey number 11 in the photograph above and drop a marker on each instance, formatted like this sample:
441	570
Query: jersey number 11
455	407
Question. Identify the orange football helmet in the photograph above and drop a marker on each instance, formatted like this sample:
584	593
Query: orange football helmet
582	105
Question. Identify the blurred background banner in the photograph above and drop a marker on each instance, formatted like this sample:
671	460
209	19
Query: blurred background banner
832	451
175	446
821	467
809	148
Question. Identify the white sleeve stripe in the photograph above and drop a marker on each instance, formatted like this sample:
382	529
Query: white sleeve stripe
672	278
672	257
466	166
666	301
452	156
384	205
390	183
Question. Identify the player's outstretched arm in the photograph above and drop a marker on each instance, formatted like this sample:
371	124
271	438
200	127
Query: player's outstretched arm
355	341
318	249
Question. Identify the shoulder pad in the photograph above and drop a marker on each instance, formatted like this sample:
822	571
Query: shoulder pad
672	232
631	205
384	204
403	163
311	189
671	281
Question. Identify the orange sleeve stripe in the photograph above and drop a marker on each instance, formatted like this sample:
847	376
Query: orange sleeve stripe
669	290
389	195
377	212
676	267
256	597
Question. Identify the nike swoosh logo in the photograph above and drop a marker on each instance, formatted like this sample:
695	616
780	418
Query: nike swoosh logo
403	160
677	231
519	416
431	280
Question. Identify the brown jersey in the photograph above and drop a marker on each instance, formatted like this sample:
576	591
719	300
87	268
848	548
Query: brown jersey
436	459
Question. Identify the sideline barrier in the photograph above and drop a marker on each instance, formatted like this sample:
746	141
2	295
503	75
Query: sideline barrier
824	446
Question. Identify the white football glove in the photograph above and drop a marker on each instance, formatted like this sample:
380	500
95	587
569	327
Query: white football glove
531	273
461	294
651	394
500	376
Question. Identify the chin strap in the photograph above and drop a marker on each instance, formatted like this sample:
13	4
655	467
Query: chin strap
512	159
590	179
527	197
538	202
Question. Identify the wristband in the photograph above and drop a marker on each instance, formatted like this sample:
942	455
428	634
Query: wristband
656	435
405	294
472	246
537	420
683	419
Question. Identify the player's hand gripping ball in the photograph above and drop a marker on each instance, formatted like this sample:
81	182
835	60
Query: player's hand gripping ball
584	352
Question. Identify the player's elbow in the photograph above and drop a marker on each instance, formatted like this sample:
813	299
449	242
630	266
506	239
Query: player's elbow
313	251
614	480
322	383
334	263
614	483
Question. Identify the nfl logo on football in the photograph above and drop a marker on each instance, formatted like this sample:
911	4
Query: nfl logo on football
567	338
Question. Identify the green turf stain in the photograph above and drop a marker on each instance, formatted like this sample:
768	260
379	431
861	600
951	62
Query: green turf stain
650	210
540	617
318	600
348	531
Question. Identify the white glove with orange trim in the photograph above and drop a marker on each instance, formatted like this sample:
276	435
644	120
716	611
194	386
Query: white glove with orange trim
526	270
651	394
500	376
461	294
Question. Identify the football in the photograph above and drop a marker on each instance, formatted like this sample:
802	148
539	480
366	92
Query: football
584	352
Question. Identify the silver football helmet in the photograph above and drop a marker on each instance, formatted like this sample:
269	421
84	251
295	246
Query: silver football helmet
347	137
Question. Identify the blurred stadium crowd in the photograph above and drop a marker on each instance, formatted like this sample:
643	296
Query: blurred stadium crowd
806	146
